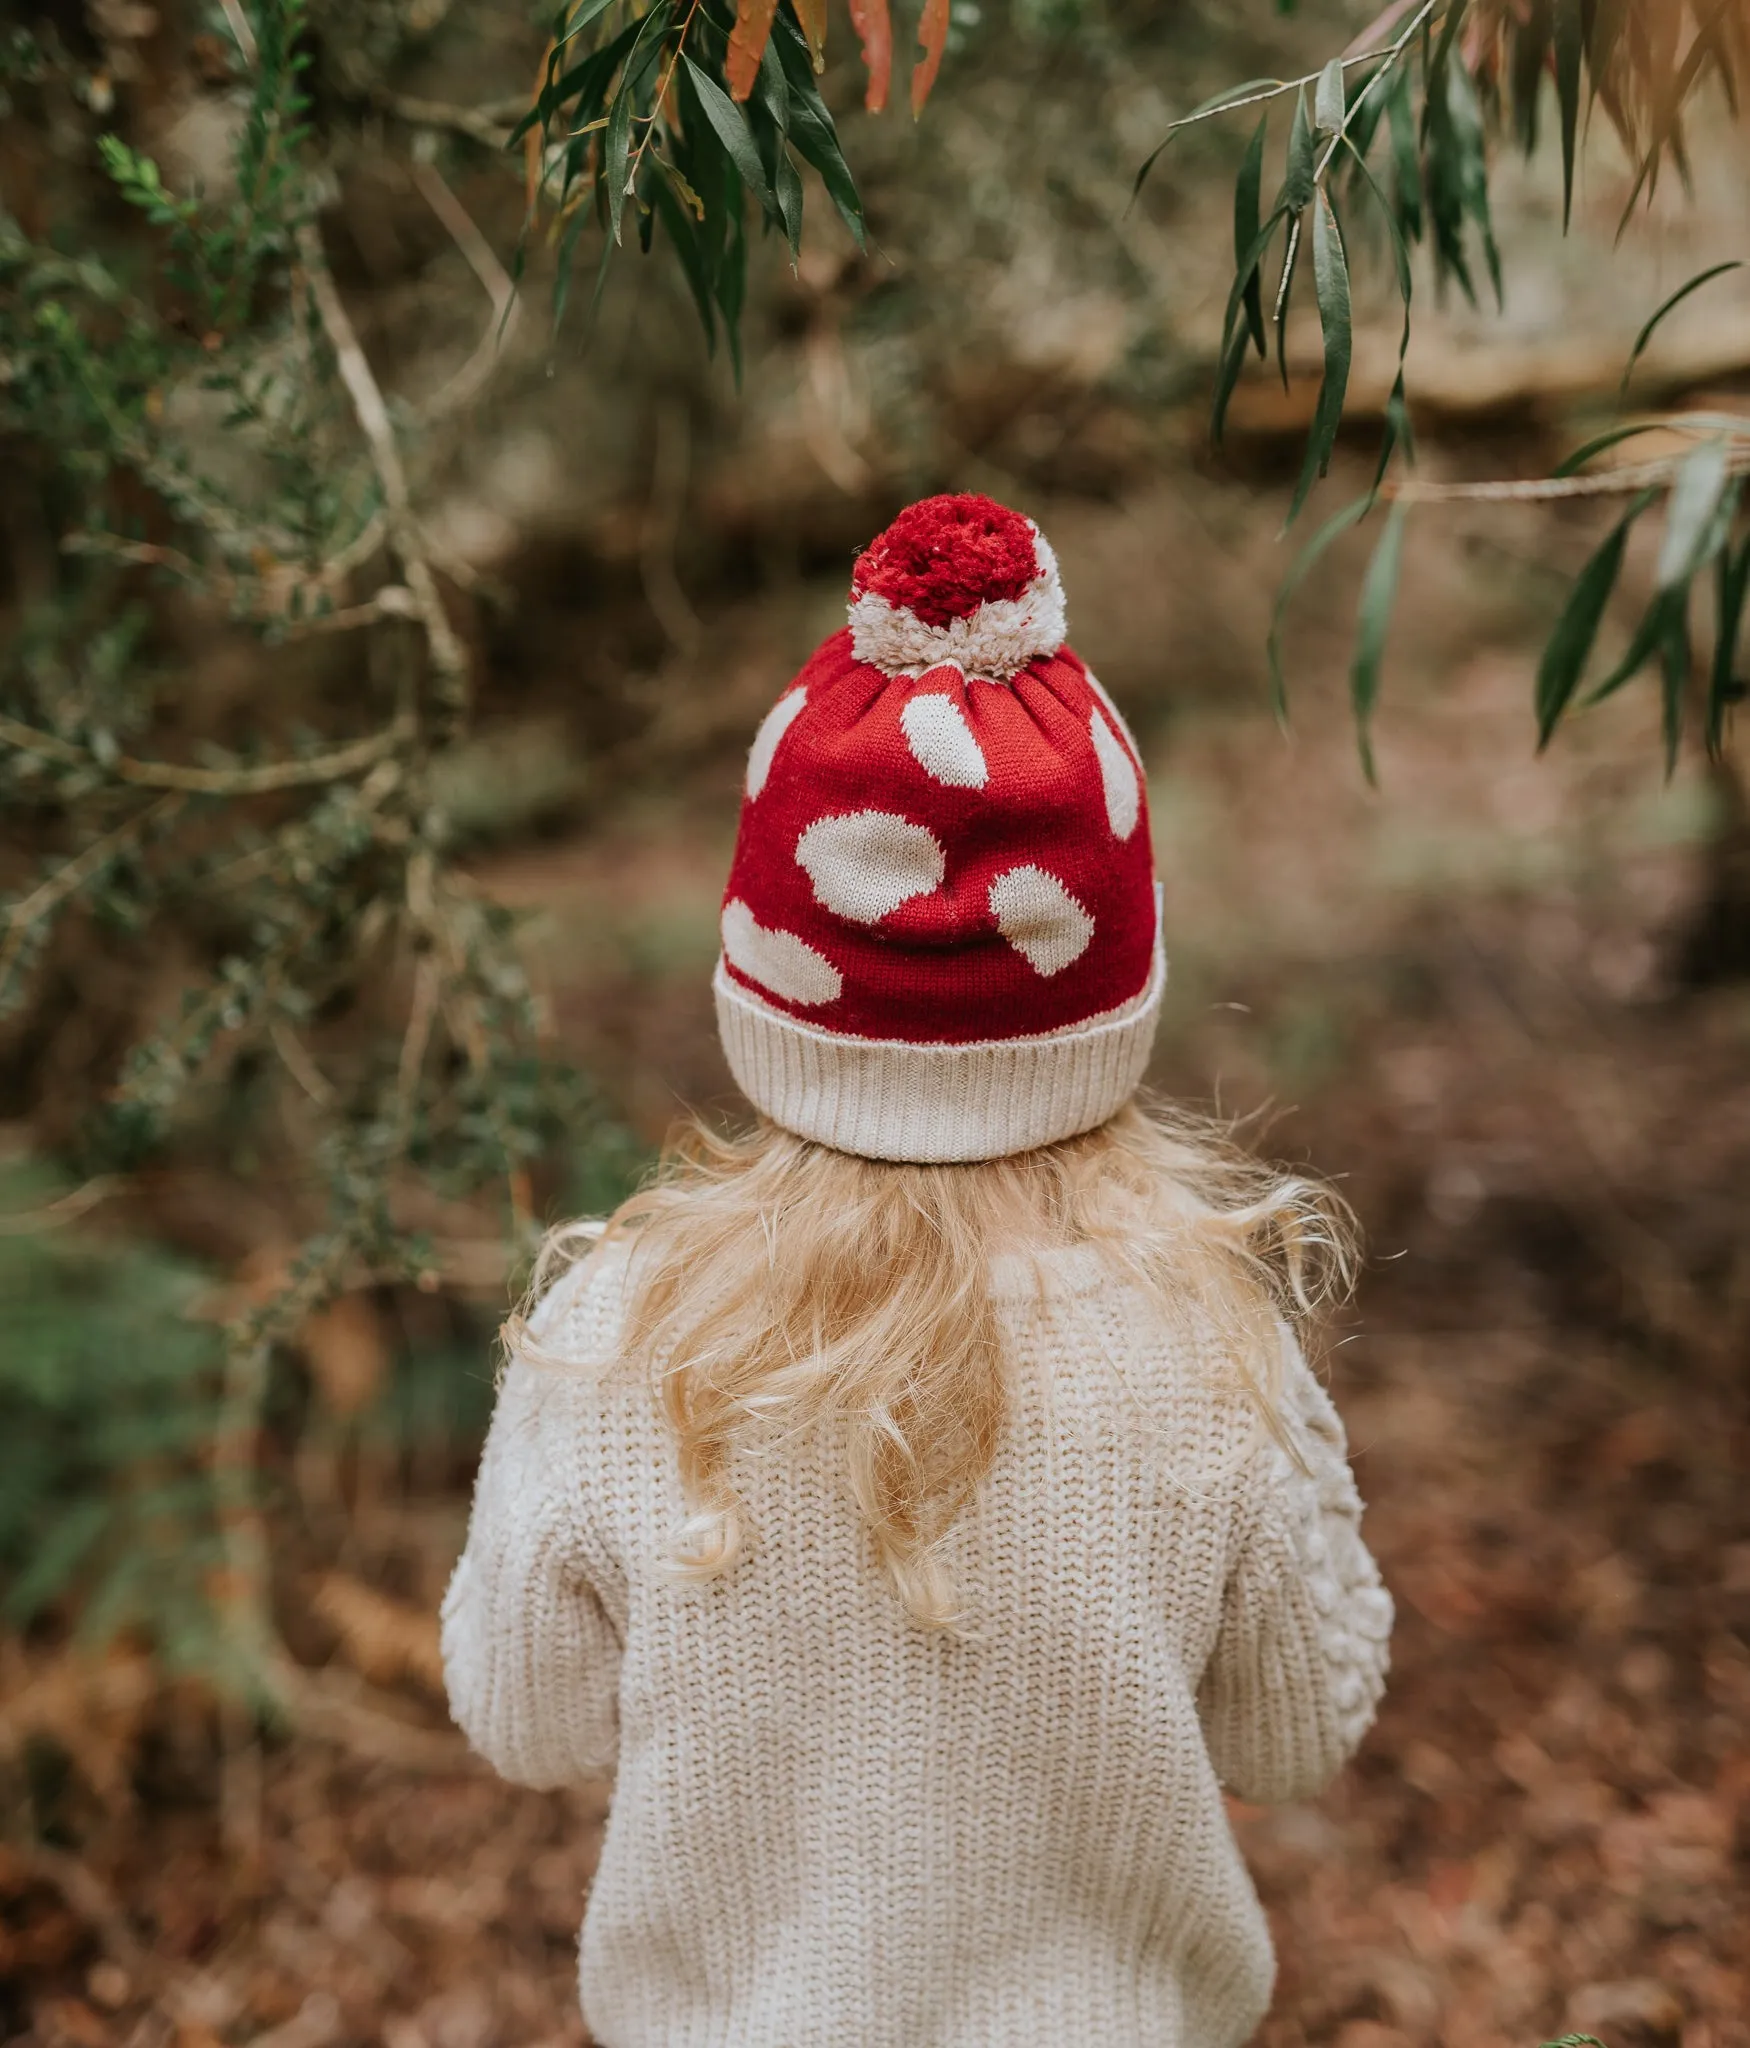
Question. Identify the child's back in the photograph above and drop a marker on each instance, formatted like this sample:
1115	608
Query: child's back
924	1548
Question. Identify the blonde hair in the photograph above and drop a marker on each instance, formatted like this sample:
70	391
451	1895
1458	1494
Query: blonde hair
775	1281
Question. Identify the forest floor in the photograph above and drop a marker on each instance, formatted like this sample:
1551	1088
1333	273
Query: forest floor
1467	997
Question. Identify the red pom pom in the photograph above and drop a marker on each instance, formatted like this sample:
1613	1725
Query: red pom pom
944	557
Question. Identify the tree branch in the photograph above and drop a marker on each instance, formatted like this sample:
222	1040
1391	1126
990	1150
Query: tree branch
449	661
338	765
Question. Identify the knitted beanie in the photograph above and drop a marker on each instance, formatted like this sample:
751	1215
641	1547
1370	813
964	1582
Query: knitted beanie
941	930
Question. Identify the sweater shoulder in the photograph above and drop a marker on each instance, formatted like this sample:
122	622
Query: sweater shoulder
579	1318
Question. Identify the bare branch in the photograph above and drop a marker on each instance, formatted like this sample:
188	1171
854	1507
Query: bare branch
471	378
48	896
477	123
338	765
448	658
1610	483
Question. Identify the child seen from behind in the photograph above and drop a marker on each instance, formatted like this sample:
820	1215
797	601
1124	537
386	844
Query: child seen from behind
920	1504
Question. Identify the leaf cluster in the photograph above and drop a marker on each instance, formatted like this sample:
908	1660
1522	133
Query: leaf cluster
1406	128
672	121
111	1389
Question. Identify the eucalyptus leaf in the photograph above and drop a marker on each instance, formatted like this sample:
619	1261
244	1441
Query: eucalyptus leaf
1569	35
1676	299
1649	636
1600	443
616	153
1406	155
1304	564
1379	593
730	126
1674	669
1297	189
1331	276
1576	634
1331	103
1248	205
1696	496
1732	572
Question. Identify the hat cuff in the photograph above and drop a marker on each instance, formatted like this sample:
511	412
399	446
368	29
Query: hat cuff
887	1099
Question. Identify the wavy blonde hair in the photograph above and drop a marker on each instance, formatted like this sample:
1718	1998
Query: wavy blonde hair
774	1281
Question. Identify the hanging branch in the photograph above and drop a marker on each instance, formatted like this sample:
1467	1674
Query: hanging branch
1452	74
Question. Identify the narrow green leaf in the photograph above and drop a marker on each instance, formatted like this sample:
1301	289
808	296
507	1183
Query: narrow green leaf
1232	357
1527	58
811	126
1601	442
1674	670
1671	304
1576	634
788	185
1440	63
1227	378
616	153
1297	189
1570	42
730	126
1649	636
1304	564
581	88
1399	433
1248	207
1467	126
683	233
1695	499
1732	584
1331	103
586	12
1331	278
1406	275
1379	592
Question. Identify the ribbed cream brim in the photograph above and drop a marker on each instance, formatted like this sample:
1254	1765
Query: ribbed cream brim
884	1099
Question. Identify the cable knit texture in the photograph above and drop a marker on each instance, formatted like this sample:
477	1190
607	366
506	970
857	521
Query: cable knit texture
831	1826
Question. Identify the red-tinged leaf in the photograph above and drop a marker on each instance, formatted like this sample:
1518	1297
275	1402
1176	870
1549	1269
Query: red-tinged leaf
874	27
932	40
812	15
747	44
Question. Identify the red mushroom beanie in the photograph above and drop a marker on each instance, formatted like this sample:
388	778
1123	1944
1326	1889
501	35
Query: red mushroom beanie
941	931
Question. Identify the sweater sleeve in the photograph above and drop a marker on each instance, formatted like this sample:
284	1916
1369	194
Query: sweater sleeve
1300	1659
531	1660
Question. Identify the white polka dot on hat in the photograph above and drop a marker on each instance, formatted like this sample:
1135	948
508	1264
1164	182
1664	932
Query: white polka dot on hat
941	930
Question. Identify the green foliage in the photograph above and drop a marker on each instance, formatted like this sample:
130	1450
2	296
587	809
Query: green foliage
111	1393
639	119
1425	104
194	418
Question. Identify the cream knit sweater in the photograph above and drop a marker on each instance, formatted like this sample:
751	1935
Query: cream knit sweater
834	1829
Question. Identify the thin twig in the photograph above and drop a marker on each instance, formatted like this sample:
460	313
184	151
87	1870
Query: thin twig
338	765
1391	57
1277	91
1611	483
448	659
667	80
1287	273
73	875
468	382
238	23
298	1063
65	1209
474	122
394	601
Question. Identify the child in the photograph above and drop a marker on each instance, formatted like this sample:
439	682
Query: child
920	1503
